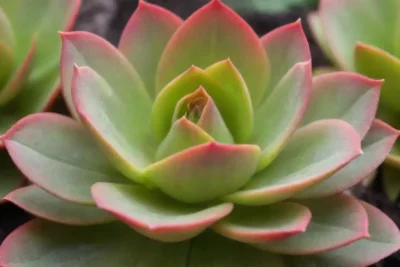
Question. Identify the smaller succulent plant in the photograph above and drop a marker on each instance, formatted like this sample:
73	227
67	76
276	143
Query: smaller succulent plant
370	46
215	147
29	64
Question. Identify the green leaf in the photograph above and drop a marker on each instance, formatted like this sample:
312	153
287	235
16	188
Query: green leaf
336	221
118	118
6	63
391	181
312	154
38	202
66	162
39	243
214	33
372	23
204	172
347	96
10	177
6	31
270	6
264	223
393	158
183	134
384	240
279	116
156	215
29	21
285	47
87	49
212	250
145	37
233	105
377	63
375	146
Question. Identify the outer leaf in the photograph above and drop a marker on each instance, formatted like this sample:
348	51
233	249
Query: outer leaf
44	205
346	96
394	157
145	37
6	32
10	177
19	77
156	215
183	134
376	146
214	33
312	154
391	182
212	250
265	223
377	63
66	162
340	219
384	240
281	113
6	63
86	49
204	172
232	104
118	117
285	47
373	22
39	243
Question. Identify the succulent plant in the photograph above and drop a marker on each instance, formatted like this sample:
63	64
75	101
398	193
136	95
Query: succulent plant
198	144
29	52
371	46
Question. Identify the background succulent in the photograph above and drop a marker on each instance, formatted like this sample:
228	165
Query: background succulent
29	52
363	36
194	125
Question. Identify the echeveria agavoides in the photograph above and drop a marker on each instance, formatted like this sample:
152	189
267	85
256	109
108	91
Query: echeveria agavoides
370	46
29	65
217	148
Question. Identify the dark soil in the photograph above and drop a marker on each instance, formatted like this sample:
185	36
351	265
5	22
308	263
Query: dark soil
108	17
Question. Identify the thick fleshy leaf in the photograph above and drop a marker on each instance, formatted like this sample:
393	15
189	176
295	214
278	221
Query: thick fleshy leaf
264	223
40	243
38	202
56	153
19	77
214	33
156	215
339	219
279	116
285	47
373	23
394	156
86	49
384	240
61	13
204	172
375	146
10	177
183	134
118	116
347	96
317	29
391	181
212	250
233	105
145	37
377	63
312	154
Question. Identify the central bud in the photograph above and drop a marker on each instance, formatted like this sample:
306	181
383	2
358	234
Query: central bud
195	108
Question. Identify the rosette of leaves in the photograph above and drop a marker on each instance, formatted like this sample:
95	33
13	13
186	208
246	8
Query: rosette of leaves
370	46
29	65
198	144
